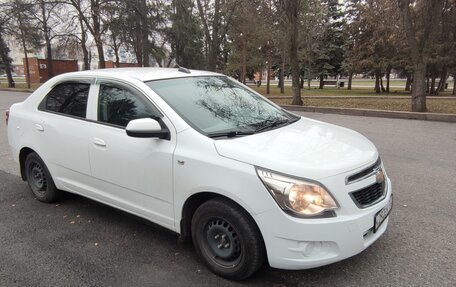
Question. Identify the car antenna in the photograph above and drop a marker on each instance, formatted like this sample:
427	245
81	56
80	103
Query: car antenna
182	69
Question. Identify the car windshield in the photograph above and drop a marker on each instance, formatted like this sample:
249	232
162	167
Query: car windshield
220	107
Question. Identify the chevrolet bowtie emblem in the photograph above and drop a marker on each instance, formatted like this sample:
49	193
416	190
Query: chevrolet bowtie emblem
380	176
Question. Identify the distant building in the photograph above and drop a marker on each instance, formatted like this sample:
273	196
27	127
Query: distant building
39	69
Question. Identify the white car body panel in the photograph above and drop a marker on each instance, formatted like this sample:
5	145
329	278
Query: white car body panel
297	149
153	178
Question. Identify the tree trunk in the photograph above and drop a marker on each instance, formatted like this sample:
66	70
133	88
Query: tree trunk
443	80
268	74
244	62
454	83
9	76
301	83
293	52
282	76
427	24
211	38
85	52
212	58
377	88
321	82
27	68
418	101
101	59
116	52
260	81
381	84
6	61
96	31
47	41
388	76
408	83
309	74
280	82
50	69
145	49
432	90
350	80
85	57
428	84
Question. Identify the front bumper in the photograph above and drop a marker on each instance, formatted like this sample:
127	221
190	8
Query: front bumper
296	243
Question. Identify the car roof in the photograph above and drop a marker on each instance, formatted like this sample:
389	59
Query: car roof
145	73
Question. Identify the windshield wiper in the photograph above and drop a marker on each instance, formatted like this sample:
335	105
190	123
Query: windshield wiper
268	124
230	134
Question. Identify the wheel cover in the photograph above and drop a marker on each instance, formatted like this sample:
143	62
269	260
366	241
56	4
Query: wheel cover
37	178
222	244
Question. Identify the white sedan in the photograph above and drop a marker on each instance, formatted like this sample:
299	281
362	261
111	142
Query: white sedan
208	158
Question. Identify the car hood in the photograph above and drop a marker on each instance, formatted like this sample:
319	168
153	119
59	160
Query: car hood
306	148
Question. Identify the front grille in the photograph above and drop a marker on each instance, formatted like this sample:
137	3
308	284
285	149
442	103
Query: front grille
368	195
364	173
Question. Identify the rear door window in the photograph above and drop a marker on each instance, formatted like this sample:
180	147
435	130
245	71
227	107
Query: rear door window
68	98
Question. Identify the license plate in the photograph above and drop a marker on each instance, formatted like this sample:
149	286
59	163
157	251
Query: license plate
383	214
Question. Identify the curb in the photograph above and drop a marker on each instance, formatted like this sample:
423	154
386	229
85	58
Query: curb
17	90
451	118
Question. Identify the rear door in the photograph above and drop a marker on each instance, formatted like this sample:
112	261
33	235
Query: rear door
132	173
60	132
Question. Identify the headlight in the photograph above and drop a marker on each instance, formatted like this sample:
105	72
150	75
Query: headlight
298	197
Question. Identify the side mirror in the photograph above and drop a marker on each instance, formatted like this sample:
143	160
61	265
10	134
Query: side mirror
147	128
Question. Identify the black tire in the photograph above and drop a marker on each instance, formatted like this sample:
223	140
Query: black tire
227	239
39	179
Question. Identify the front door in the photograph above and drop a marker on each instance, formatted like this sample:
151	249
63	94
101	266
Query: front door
134	174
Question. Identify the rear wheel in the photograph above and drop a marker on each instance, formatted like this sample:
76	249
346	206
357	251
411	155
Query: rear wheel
39	179
227	239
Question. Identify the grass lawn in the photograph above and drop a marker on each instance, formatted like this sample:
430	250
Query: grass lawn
434	105
446	106
20	85
336	92
369	82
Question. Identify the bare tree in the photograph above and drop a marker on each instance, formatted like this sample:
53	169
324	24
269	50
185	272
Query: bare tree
420	19
216	18
91	15
23	29
45	15
290	9
5	60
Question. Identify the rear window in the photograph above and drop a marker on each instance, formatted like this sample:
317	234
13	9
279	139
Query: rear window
67	98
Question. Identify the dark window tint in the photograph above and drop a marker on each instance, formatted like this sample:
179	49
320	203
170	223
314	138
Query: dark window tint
68	98
118	106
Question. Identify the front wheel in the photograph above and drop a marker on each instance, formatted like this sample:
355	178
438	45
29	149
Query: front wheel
39	179
227	239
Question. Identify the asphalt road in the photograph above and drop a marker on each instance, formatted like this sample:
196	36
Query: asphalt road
78	242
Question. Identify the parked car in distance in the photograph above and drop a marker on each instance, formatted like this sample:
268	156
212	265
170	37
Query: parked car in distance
210	159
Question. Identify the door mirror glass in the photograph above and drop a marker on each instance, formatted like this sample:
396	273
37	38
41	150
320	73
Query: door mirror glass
146	128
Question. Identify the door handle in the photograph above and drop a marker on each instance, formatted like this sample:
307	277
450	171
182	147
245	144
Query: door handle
99	142
39	128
